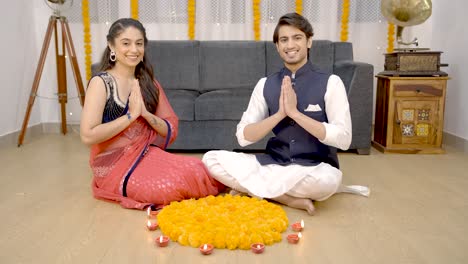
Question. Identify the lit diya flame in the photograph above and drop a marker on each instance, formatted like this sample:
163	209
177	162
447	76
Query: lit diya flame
206	249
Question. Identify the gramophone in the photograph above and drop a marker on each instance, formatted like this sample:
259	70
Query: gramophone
410	61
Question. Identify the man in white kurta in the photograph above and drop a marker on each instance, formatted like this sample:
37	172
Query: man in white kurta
308	111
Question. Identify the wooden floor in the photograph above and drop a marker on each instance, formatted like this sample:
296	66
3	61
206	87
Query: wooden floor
417	213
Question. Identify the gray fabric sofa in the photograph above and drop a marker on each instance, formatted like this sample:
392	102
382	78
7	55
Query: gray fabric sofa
209	83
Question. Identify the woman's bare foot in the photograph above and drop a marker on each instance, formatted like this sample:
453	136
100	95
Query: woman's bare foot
299	203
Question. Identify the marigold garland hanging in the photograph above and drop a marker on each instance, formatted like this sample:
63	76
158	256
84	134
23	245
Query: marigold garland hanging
344	21
191	7
256	18
223	221
86	37
134	9
299	7
390	37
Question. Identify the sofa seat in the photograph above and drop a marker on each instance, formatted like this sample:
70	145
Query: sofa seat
226	104
183	103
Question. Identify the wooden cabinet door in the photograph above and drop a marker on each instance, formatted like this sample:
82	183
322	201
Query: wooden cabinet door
416	122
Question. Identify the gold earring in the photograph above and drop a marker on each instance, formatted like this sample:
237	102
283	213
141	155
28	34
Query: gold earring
112	56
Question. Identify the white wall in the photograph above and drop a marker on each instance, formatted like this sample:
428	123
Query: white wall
450	36
19	51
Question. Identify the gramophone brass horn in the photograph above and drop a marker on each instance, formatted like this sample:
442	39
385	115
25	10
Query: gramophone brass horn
404	13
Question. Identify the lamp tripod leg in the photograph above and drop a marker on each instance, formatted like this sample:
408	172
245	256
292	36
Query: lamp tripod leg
61	76
73	60
37	78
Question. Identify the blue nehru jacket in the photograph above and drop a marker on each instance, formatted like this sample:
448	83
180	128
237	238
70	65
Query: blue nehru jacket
292	143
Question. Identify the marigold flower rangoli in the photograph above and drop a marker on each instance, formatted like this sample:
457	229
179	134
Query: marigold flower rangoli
224	221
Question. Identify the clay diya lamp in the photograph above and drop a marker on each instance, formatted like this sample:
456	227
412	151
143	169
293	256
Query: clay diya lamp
206	249
257	248
298	226
293	238
151	225
162	241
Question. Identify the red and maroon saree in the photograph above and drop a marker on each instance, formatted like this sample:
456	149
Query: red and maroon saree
133	169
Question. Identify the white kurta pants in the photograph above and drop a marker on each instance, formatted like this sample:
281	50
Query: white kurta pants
244	173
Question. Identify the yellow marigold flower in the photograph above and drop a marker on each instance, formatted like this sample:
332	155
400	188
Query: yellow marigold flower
276	237
244	242
194	239
256	238
183	239
220	241
267	238
232	241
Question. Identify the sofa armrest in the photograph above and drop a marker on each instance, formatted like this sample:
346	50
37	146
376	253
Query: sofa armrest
358	79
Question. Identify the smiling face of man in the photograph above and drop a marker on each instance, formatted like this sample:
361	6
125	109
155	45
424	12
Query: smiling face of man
293	46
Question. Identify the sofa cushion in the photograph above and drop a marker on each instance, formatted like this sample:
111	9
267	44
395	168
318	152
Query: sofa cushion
183	103
343	51
231	64
321	55
222	104
175	63
274	63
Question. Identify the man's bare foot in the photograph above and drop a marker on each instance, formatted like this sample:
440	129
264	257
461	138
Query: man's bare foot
303	203
299	203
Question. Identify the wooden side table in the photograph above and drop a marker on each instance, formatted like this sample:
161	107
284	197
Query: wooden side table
409	114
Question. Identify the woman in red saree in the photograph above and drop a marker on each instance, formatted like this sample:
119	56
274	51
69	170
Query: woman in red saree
128	122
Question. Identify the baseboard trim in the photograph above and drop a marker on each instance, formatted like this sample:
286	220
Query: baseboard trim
456	142
36	131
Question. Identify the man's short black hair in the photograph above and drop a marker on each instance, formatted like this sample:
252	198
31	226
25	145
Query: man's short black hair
295	20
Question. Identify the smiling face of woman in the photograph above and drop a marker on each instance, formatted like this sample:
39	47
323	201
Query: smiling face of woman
129	47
